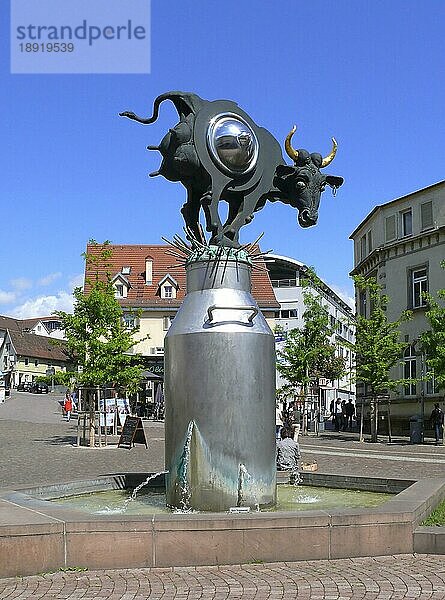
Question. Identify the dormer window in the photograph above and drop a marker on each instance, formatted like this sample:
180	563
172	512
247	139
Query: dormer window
168	291
168	287
121	286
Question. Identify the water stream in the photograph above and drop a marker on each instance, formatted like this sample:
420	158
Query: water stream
134	493
185	487
243	477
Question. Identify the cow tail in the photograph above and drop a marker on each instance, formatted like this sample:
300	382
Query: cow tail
185	103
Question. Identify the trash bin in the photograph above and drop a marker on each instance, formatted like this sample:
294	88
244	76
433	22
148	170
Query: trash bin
415	429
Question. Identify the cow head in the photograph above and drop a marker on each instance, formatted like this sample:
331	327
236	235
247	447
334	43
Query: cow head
303	183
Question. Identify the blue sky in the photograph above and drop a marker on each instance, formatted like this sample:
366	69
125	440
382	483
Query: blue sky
369	73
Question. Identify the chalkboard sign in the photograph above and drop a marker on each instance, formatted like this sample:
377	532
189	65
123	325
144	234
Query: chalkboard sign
132	433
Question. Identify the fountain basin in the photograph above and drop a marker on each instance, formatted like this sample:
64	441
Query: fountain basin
38	536
290	498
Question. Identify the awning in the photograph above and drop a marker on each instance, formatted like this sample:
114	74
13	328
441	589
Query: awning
149	375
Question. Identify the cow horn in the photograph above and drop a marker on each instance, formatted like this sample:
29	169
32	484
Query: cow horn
291	152
330	157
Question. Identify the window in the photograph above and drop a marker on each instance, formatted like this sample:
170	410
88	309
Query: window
119	290
363	247
409	370
426	215
167	321
36	363
148	271
362	303
126	270
419	285
369	241
291	313
26	361
431	386
157	350
168	291
130	320
406	219
390	228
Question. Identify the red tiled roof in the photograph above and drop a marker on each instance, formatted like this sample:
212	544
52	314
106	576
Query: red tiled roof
142	295
37	346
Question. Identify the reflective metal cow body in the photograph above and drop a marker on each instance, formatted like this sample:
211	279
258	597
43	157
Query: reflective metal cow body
219	153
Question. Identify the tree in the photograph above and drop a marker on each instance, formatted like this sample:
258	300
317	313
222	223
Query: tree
433	340
98	340
308	353
377	346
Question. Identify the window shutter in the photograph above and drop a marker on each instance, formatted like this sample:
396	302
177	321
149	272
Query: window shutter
390	232
426	215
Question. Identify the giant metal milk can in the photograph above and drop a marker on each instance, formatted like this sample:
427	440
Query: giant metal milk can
220	392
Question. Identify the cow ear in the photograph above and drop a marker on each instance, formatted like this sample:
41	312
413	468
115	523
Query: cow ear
284	170
334	181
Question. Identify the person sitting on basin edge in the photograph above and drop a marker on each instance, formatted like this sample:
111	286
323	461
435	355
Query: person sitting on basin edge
288	453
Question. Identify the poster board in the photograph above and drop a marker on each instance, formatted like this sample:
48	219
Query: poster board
132	433
113	405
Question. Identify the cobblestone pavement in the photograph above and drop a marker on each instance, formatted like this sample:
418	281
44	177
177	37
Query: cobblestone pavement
383	578
38	447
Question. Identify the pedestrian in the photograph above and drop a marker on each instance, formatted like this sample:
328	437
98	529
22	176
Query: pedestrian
437	423
288	454
68	405
350	412
344	418
337	414
74	399
278	420
295	421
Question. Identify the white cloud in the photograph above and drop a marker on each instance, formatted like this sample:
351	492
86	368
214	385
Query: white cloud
345	294
43	306
21	283
76	281
49	278
6	297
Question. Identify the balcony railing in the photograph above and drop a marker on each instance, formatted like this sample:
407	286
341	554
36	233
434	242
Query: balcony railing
277	283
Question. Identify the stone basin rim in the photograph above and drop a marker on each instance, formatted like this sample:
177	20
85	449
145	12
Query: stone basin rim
37	536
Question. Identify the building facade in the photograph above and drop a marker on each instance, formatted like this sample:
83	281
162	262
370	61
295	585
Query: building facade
402	243
150	288
287	275
26	353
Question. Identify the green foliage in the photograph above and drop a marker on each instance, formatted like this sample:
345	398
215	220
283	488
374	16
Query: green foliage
59	378
377	344
437	517
308	353
98	341
433	340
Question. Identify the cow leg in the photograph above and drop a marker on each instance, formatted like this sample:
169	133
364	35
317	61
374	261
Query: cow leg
210	203
190	212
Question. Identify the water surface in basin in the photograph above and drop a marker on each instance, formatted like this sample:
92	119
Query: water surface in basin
289	498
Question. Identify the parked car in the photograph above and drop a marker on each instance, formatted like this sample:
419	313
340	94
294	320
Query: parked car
39	388
24	386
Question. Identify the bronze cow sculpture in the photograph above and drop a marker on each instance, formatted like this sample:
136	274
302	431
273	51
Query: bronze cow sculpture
219	153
